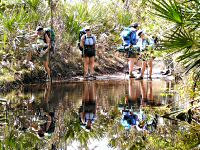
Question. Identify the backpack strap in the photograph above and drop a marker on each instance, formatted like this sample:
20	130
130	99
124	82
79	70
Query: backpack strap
85	37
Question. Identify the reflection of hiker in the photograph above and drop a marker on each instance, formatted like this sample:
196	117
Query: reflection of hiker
41	49
48	126
129	38
44	105
147	93
146	49
88	42
46	113
132	103
88	109
134	93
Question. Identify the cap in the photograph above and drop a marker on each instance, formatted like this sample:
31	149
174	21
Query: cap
140	33
87	28
39	28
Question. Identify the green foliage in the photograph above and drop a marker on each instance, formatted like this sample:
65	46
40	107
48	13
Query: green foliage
184	36
181	140
124	18
14	140
170	11
33	4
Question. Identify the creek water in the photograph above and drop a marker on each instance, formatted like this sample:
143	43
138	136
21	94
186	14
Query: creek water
87	114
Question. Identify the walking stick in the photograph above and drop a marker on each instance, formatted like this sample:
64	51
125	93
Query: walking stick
51	8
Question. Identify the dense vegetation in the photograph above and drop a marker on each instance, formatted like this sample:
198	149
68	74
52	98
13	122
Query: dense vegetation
20	18
175	22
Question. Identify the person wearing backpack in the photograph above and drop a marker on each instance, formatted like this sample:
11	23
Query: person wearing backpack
129	37
87	43
146	46
41	49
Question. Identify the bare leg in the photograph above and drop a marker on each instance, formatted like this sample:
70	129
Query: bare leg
131	64
46	66
132	90
150	94
92	91
143	92
86	63
86	92
150	67
144	65
91	63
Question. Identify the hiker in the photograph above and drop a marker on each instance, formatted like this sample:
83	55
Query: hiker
88	42
88	109
129	37
41	49
146	48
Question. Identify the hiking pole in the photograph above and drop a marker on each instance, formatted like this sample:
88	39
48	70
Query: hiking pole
51	9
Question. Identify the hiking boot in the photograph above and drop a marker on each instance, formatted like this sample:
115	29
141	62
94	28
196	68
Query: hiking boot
139	78
131	75
87	75
93	76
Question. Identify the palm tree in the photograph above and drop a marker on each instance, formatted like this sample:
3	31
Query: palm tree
184	37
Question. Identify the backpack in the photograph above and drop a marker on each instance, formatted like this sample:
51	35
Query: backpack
51	34
129	36
81	33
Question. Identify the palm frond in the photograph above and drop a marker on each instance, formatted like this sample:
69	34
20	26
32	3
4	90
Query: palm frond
191	60
180	39
169	10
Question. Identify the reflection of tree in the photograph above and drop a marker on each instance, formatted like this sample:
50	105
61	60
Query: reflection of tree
16	140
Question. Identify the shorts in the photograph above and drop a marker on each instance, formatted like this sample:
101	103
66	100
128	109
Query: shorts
89	52
132	54
133	103
88	106
44	58
146	56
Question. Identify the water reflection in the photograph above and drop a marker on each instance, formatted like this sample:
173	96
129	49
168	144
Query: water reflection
139	95
104	108
87	110
39	118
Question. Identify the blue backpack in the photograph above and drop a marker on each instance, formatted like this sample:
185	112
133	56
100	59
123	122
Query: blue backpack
129	37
